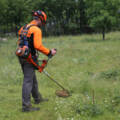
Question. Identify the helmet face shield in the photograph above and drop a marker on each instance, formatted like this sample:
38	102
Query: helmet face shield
40	14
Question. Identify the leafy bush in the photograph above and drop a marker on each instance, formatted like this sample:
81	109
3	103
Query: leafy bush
110	74
89	110
113	105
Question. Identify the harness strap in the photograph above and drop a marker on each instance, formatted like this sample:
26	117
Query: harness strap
25	30
24	33
40	68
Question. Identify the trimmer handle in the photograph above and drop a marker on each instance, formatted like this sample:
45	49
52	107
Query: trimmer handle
50	56
44	63
55	49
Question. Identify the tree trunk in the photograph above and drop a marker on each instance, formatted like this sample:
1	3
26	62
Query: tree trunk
103	33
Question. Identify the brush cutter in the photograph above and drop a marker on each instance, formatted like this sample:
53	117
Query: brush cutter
61	93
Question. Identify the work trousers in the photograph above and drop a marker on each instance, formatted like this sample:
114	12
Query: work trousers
30	84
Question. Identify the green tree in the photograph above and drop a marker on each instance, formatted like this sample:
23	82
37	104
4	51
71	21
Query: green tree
3	7
102	14
17	12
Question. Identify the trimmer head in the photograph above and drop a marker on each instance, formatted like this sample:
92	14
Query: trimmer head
62	93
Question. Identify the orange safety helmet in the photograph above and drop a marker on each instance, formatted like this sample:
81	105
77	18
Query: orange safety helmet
40	14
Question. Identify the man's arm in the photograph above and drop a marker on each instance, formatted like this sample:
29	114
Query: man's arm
38	42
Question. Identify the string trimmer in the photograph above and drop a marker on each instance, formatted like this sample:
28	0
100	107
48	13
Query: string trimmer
61	93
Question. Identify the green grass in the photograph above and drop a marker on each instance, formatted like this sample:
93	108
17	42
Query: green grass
86	65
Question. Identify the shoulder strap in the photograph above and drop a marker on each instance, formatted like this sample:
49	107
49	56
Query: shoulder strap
23	38
25	30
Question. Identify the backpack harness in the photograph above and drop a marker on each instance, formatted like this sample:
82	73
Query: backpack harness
24	51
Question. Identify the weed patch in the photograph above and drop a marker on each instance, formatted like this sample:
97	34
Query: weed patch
112	74
92	110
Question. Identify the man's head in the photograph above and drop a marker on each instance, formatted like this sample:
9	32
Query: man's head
40	16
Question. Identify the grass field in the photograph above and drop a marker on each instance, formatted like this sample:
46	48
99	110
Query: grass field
86	65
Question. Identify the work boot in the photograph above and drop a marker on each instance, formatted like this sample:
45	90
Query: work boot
29	109
37	101
40	99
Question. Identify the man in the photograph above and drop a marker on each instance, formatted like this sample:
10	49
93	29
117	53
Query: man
32	36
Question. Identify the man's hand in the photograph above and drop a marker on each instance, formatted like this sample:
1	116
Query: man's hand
53	51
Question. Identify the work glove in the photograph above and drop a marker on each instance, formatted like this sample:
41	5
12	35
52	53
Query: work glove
52	52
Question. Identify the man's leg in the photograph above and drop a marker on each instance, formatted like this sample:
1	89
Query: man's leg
35	92
28	71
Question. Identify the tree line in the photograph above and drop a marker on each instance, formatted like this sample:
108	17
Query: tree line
63	16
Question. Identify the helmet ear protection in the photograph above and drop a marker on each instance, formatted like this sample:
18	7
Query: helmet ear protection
40	14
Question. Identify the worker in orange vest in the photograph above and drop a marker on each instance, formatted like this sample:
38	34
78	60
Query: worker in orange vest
30	38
